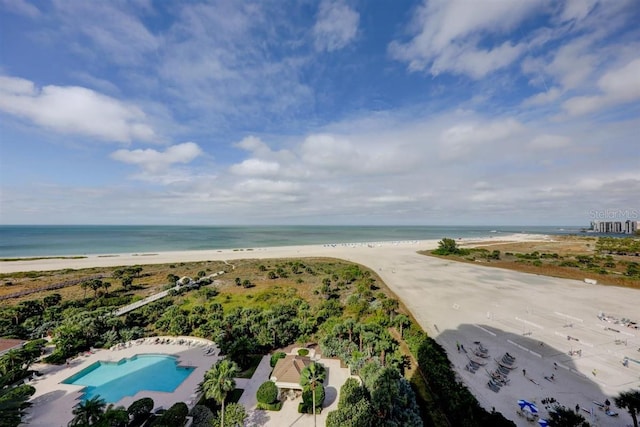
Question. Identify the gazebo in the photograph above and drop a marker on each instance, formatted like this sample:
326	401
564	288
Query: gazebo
286	373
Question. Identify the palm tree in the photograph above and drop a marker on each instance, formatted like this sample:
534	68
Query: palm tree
312	376
84	286
219	381
402	322
88	412
629	400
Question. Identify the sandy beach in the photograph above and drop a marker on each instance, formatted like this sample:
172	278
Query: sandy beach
537	319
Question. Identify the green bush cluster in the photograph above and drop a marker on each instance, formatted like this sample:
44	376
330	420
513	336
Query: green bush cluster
306	406
448	246
275	357
175	416
267	393
276	406
455	399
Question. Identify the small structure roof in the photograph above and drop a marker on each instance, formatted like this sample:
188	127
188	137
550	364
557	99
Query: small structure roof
286	373
7	344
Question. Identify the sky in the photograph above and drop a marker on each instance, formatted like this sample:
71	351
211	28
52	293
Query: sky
355	112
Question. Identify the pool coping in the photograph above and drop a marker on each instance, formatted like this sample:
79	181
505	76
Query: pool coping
53	400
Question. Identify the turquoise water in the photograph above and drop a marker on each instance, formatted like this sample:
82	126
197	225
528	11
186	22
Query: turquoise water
115	380
50	240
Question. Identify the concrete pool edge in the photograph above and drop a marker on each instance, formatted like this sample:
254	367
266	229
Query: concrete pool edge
53	400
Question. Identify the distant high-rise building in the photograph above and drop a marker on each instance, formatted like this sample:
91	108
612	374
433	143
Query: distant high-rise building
631	227
615	227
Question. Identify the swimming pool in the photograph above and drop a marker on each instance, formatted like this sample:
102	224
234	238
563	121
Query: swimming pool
115	380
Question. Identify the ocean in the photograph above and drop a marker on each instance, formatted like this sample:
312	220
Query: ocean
56	240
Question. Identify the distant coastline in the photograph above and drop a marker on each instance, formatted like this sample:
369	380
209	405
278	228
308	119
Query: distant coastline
17	241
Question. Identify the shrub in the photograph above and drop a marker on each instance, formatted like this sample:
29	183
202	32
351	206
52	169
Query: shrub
56	358
202	416
270	406
141	408
267	392
303	352
174	417
275	357
306	406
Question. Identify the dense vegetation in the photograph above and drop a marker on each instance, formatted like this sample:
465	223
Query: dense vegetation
338	305
611	260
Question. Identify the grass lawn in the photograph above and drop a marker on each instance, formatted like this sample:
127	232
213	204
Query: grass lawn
255	361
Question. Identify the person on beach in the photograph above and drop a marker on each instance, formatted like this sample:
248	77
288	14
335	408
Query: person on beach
524	372
458	346
577	408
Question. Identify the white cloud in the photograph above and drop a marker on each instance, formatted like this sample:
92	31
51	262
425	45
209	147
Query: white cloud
574	63
256	187
255	167
617	86
549	142
577	9
74	110
542	98
158	165
466	139
447	36
336	25
112	29
216	63
21	7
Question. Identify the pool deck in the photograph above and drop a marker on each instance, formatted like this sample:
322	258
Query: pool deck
53	401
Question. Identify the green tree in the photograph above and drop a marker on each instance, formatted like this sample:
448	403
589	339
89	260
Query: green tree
356	415
234	416
88	412
354	408
564	417
629	400
114	417
140	409
448	246
401	321
176	415
13	402
219	381
313	376
202	416
51	300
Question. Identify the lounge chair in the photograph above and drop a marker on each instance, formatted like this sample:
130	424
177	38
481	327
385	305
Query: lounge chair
493	387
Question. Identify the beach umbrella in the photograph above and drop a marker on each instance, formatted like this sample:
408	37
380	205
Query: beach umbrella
528	406
543	423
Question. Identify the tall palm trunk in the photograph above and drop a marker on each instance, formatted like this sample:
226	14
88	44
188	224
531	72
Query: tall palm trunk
313	400
222	414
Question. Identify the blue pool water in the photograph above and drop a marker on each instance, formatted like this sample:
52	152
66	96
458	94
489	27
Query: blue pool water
115	380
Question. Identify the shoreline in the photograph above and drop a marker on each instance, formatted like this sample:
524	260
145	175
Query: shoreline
508	311
331	250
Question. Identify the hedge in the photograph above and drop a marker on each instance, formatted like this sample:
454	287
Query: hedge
270	406
275	357
267	393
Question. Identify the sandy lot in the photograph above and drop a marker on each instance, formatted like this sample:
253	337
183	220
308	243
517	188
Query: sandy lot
529	316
